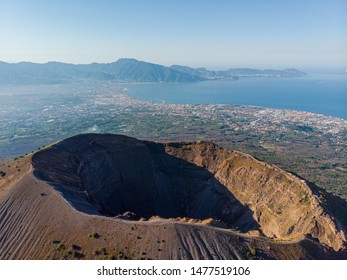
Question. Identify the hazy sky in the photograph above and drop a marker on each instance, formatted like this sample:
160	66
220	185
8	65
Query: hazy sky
216	34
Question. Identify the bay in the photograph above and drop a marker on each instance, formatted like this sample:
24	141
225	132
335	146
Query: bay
317	93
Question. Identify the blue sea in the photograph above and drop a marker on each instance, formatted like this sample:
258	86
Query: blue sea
317	93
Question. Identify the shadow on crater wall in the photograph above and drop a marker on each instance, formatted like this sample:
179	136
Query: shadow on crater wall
112	174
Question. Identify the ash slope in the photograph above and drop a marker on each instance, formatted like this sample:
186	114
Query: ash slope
234	205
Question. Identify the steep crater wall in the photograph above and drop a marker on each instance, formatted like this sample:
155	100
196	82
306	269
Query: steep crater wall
113	174
282	204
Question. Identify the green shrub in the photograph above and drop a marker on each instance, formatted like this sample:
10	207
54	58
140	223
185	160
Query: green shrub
121	255
94	235
60	247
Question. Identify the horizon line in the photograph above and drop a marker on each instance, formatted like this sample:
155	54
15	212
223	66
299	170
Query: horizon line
194	67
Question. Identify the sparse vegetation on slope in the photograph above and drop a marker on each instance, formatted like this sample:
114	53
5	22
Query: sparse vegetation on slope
193	174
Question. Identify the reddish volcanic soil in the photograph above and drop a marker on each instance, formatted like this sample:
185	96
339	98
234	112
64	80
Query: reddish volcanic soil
115	197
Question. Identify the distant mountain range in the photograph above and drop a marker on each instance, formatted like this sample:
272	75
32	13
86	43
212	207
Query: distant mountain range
123	70
235	73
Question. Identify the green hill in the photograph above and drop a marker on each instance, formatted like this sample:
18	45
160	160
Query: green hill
128	70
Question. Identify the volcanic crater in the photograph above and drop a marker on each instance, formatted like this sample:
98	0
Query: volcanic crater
120	176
